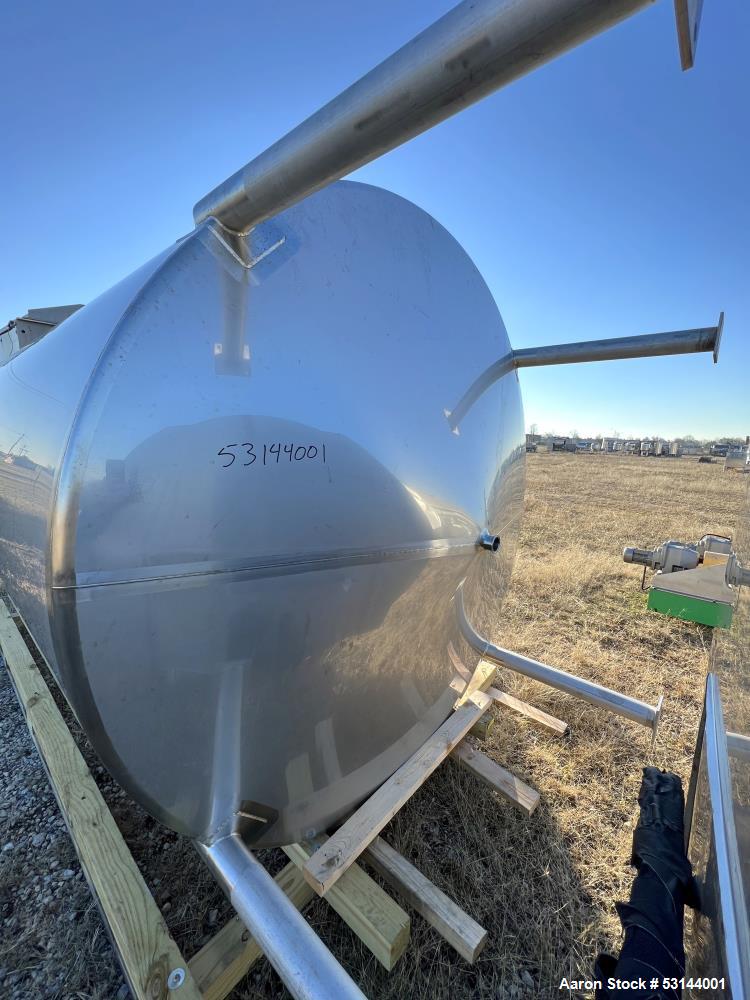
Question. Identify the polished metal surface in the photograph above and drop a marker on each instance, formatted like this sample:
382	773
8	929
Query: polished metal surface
306	966
649	345
473	50
243	514
688	17
718	937
723	948
578	687
489	541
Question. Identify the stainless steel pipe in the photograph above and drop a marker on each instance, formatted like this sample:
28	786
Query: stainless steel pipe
612	701
308	969
473	50
648	345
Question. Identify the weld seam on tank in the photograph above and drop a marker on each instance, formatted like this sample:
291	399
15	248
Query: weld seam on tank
435	549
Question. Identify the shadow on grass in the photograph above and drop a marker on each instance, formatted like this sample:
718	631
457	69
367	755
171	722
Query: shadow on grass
513	874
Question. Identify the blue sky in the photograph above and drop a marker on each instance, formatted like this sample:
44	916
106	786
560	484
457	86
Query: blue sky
606	194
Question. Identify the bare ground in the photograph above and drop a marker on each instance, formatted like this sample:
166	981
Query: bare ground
543	887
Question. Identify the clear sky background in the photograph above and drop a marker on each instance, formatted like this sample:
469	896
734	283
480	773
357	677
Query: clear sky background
603	195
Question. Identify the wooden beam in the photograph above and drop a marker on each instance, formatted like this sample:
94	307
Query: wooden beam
449	920
482	678
535	714
482	730
513	789
143	944
332	859
232	951
377	920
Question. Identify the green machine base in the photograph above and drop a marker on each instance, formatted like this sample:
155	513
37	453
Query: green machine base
691	609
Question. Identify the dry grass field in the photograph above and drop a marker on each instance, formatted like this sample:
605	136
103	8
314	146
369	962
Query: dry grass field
544	887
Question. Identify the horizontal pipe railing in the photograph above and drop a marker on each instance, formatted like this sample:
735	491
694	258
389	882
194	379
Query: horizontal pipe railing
649	345
306	966
578	687
473	50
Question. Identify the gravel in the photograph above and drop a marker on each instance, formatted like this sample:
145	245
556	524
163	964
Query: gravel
53	942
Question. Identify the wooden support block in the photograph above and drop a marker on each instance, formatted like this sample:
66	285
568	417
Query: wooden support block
482	729
377	920
483	677
535	714
232	951
143	944
332	859
521	795
457	927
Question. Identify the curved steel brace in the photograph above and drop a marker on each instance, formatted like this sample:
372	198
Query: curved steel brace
595	694
649	345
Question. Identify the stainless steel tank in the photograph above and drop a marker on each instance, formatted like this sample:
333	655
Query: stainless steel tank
269	490
244	511
252	521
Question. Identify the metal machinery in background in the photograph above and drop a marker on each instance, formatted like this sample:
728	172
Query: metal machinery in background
275	476
690	580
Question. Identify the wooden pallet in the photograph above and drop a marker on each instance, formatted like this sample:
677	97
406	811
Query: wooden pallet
151	960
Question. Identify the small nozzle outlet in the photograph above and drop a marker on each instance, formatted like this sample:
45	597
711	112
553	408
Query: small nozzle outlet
489	541
643	557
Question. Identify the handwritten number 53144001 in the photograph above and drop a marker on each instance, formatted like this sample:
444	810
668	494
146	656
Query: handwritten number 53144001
272	454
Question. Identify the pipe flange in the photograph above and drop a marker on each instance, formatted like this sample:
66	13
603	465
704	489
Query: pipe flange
489	541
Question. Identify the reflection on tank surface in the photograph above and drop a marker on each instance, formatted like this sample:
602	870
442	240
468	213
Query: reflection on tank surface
347	593
730	661
252	613
490	578
25	492
287	493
